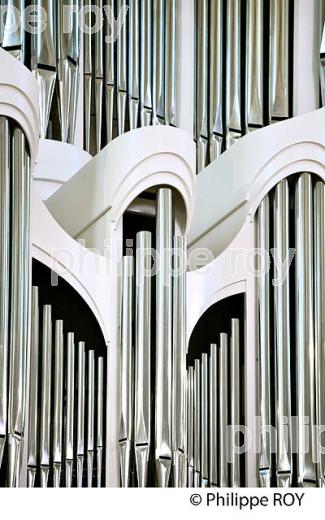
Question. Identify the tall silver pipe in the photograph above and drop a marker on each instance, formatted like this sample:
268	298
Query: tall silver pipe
146	63
197	424
134	63
263	244
69	452
109	77
58	403
158	79
233	74
74	64
63	69
319	255
204	422
121	73
213	417
4	275
33	392
190	428
88	70
279	59
305	331
216	72
170	64
254	64
19	307
142	420
13	34
99	79
202	84
45	425
235	388
100	418
81	389
91	417
179	410
43	63
127	390
282	339
163	428
223	410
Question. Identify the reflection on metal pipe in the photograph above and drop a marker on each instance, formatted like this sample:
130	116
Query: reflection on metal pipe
197	424
304	332
134	70
142	422
213	419
109	75
127	394
234	403
33	393
179	425
216	71
45	426
204	422
223	410
121	72
190	430
319	255
263	232
158	80
322	65
4	275
201	84
170	59
58	404
91	417
69	410
74	55
233	74
282	339
81	389
254	64
100	418
279	59
146	63
13	35
99	79
19	303
163	448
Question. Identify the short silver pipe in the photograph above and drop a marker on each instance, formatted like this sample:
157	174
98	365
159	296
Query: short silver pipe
70	402
99	79
109	77
319	270
163	427
146	63
254	64
158	79
235	389
279	60
13	34
142	419
202	83
127	365
4	275
100	418
204	422
216	71
58	404
170	64
197	424
121	73
233	72
305	331
213	415
91	417
45	423
81	393
134	63
263	293
179	410
33	392
282	339
223	410
190	427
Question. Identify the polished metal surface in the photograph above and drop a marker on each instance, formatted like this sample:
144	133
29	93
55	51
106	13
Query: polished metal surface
46	382
158	77
254	64
121	45
91	417
223	410
88	69
190	427
279	59
235	390
100	419
204	422
142	419
305	368
70	402
134	63
163	403
99	80
170	62
58	403
81	391
282	338
197	424
109	77
322	66
146	63
263	244
13	35
215	87
33	391
213	415
179	410
127	379
202	83
233	72
4	275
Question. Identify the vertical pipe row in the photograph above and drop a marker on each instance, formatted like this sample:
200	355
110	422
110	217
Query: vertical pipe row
12	38
197	424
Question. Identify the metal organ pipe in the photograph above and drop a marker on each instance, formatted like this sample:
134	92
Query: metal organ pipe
81	396
254	64
69	433
204	422
33	392
216	124
91	417
45	432
223	410
190	431
58	403
100	418
197	424
234	401
201	83
213	414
